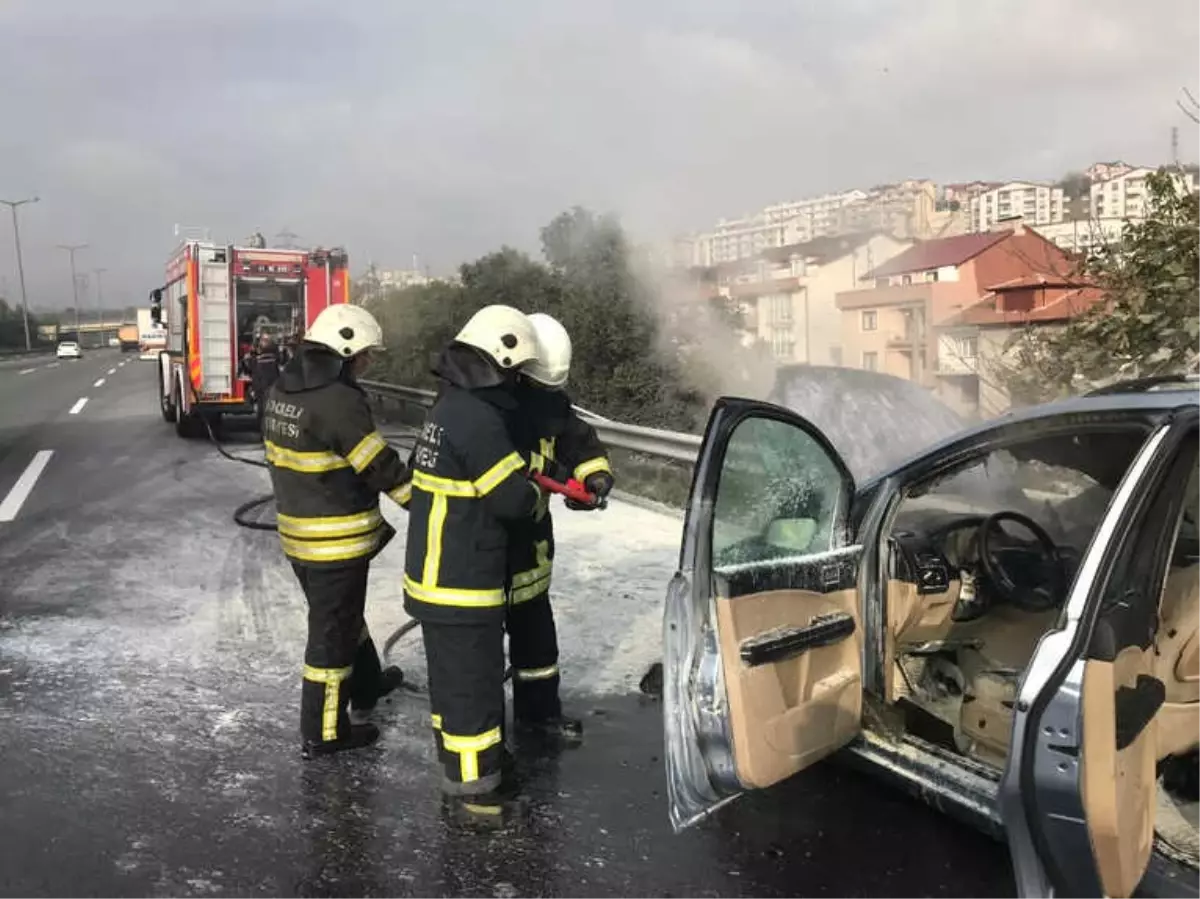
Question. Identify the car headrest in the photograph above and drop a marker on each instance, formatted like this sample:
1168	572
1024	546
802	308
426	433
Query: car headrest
791	533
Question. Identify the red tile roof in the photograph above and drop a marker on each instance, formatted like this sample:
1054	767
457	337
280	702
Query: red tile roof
1038	279
1068	306
927	255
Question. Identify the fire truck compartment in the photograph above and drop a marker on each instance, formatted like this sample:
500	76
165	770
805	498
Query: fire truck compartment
274	308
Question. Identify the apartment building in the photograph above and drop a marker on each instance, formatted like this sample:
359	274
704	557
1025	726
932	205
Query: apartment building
782	224
905	210
1035	203
973	348
891	325
1123	196
788	295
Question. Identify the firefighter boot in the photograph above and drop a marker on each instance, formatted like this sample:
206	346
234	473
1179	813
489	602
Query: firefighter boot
560	729
363	704
358	737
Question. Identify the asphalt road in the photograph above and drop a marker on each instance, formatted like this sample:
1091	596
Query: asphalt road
149	656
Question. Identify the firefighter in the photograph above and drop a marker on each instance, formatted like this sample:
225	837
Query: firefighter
328	465
549	427
468	481
264	372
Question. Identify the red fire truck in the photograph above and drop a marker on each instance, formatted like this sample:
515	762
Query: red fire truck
217	300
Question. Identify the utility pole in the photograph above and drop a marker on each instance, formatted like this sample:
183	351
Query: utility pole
71	249
12	205
98	272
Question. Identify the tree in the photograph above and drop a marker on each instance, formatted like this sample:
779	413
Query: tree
1150	322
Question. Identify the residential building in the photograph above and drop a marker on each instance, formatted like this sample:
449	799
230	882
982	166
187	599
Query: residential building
1123	196
1035	203
1083	236
779	225
904	210
890	326
974	345
788	295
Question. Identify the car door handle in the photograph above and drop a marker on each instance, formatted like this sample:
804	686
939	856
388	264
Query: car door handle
785	642
1136	707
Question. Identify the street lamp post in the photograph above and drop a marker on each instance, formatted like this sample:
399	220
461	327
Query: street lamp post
71	249
98	272
12	206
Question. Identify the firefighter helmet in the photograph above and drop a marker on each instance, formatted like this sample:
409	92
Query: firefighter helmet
504	334
347	330
553	362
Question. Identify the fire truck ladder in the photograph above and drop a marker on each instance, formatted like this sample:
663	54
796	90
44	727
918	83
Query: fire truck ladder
215	322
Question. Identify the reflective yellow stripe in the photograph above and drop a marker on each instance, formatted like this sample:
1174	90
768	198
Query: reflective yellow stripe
590	467
330	526
451	596
332	679
530	591
490	479
436	721
402	494
366	450
527	674
330	550
296	460
432	483
468	749
433	539
546	447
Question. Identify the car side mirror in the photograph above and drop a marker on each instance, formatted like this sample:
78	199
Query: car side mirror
156	307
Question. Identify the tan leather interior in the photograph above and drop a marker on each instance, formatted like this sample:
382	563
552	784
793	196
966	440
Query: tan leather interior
913	619
1119	787
1177	661
786	715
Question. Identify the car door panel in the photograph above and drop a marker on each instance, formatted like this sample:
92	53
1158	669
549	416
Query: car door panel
763	621
1078	795
790	711
1117	766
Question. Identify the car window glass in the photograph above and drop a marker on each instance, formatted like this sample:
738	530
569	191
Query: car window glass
780	495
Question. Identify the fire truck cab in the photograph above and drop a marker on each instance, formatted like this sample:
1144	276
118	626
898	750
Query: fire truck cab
216	302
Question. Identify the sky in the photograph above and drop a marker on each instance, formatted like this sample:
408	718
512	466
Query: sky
447	129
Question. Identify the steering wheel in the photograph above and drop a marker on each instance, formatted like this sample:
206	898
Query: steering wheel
1019	592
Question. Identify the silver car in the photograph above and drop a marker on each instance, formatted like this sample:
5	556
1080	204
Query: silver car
1002	619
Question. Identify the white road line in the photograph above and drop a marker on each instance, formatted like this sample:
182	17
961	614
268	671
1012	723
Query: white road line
99	383
26	371
52	365
79	404
112	371
24	486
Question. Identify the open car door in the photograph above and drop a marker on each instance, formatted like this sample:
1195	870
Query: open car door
1078	795
762	639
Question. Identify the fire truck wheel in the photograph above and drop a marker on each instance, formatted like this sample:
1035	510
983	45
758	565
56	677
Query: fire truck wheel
187	424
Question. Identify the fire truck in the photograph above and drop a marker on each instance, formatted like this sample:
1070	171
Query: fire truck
217	300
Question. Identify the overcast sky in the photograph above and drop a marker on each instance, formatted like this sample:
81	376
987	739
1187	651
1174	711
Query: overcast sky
447	128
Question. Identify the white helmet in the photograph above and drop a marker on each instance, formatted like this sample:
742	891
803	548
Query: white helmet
553	363
345	329
503	333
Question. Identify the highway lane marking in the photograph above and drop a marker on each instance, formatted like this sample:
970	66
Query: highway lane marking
79	404
112	371
26	371
99	383
24	486
52	365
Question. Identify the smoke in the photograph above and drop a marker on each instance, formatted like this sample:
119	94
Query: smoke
713	342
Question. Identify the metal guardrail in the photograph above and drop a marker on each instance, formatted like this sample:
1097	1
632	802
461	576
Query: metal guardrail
673	445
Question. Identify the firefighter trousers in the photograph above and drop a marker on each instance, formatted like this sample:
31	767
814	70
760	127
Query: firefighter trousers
466	698
341	664
533	654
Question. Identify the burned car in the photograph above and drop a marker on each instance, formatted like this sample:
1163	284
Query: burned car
1000	618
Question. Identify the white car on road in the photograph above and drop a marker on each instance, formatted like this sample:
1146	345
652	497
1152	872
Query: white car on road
69	349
